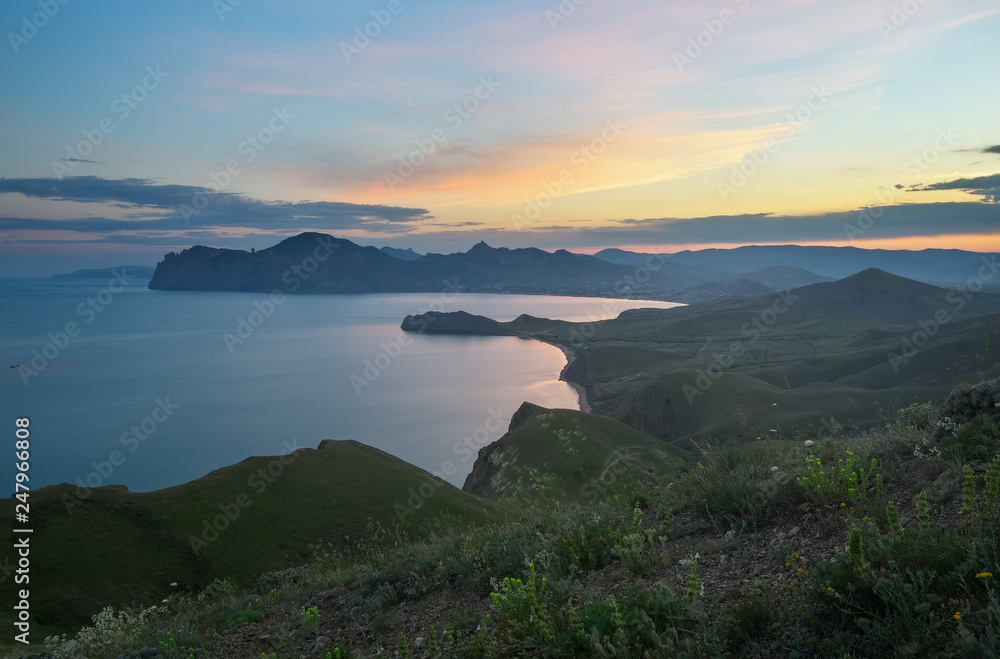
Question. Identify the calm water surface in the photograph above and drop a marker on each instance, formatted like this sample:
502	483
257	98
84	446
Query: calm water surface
317	367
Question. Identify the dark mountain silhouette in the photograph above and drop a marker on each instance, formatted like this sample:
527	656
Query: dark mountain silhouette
402	254
935	266
318	263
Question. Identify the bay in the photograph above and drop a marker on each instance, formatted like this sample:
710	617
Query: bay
161	382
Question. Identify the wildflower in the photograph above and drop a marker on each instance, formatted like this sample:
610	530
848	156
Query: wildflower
774	470
830	590
843	505
958	615
984	575
810	443
800	570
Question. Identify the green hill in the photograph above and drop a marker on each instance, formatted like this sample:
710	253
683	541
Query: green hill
263	514
568	456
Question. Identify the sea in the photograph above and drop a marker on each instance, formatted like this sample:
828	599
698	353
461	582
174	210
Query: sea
150	389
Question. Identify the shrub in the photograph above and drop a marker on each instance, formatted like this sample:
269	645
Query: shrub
915	590
973	402
289	578
241	617
523	611
969	421
754	619
918	416
310	618
734	486
847	481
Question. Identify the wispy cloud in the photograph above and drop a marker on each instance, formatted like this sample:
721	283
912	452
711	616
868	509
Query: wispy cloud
987	187
157	207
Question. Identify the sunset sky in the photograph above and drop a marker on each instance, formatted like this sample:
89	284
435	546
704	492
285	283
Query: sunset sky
434	124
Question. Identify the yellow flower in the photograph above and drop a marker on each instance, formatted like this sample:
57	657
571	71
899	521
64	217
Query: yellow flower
957	616
787	564
800	570
843	505
830	590
984	575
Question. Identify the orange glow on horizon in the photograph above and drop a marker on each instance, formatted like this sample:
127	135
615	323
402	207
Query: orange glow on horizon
984	243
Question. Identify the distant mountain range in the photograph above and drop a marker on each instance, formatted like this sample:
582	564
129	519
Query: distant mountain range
402	254
319	263
932	266
136	271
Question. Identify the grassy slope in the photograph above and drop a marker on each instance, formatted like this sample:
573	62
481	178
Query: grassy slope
772	576
569	456
121	547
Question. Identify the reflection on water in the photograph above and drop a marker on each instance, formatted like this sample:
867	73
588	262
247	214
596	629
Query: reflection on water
310	368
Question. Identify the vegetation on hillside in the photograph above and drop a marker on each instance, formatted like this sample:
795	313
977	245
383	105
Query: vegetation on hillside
109	545
883	543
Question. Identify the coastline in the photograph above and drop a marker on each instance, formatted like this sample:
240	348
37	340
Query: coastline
580	390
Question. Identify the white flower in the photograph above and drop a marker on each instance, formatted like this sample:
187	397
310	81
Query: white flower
774	469
810	443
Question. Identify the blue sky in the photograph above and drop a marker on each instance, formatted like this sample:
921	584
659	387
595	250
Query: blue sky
654	125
